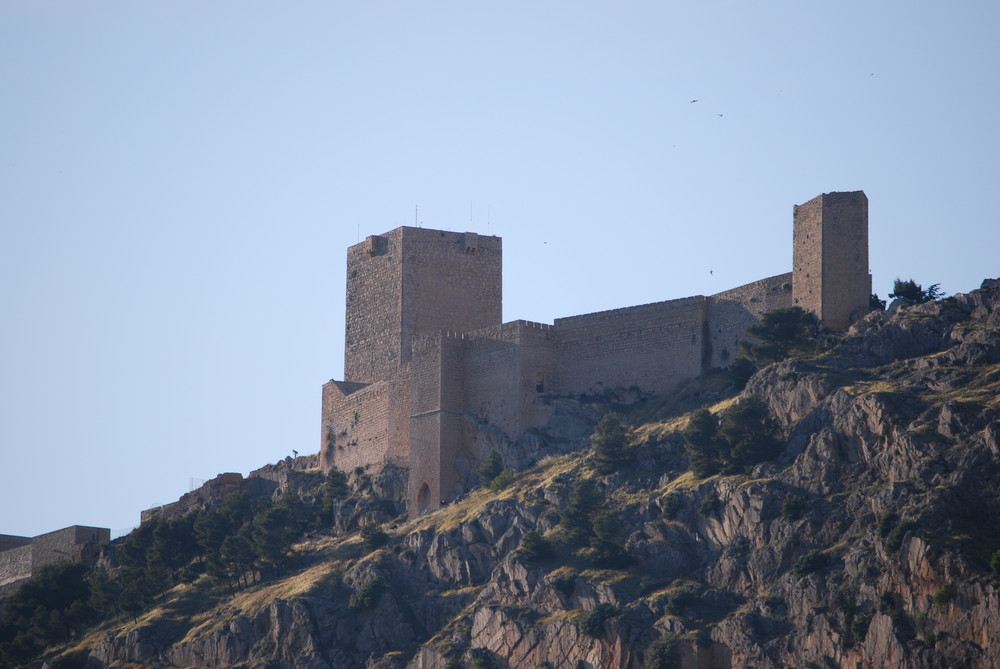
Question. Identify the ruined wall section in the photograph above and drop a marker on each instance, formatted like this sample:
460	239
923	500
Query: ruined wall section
451	283
372	344
209	494
652	346
77	543
732	311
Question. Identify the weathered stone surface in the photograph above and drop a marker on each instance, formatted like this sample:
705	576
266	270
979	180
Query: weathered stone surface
883	562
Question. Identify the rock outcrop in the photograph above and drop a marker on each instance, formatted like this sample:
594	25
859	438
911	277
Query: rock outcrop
866	543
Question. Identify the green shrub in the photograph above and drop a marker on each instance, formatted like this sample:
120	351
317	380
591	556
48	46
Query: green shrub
610	445
503	480
995	562
810	562
894	541
663	653
564	580
780	334
750	433
702	444
593	621
373	537
575	519
912	290
673	503
792	507
535	547
740	372
886	523
679	600
491	467
706	507
367	596
945	594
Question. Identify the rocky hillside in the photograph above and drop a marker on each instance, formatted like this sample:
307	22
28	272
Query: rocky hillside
869	540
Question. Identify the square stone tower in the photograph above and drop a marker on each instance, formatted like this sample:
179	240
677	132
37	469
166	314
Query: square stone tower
830	274
414	281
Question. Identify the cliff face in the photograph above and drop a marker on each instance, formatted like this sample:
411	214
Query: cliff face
866	543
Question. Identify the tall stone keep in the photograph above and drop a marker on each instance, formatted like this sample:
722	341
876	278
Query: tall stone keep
411	282
830	274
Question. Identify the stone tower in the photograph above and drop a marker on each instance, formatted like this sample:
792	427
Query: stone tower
830	274
414	281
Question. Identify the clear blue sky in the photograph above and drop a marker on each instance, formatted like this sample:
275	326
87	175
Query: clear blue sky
179	182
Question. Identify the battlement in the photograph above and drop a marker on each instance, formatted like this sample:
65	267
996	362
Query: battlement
425	348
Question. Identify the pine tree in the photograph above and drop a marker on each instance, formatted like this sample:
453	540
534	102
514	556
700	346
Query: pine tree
610	443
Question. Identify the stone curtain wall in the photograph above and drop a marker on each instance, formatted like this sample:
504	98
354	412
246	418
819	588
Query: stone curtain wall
15	565
8	541
653	346
503	368
492	358
732	311
359	430
72	544
537	342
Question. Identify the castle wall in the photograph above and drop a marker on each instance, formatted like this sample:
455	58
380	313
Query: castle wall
652	346
15	564
537	373
506	368
358	432
492	360
8	541
732	311
71	544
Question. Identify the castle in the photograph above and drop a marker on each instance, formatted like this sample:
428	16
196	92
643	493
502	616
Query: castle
425	345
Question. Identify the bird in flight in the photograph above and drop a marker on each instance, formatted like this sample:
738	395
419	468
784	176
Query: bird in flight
692	102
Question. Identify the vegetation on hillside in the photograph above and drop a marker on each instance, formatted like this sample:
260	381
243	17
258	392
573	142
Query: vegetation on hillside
645	540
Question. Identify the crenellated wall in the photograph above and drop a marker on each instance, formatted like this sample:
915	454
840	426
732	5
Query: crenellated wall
652	346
